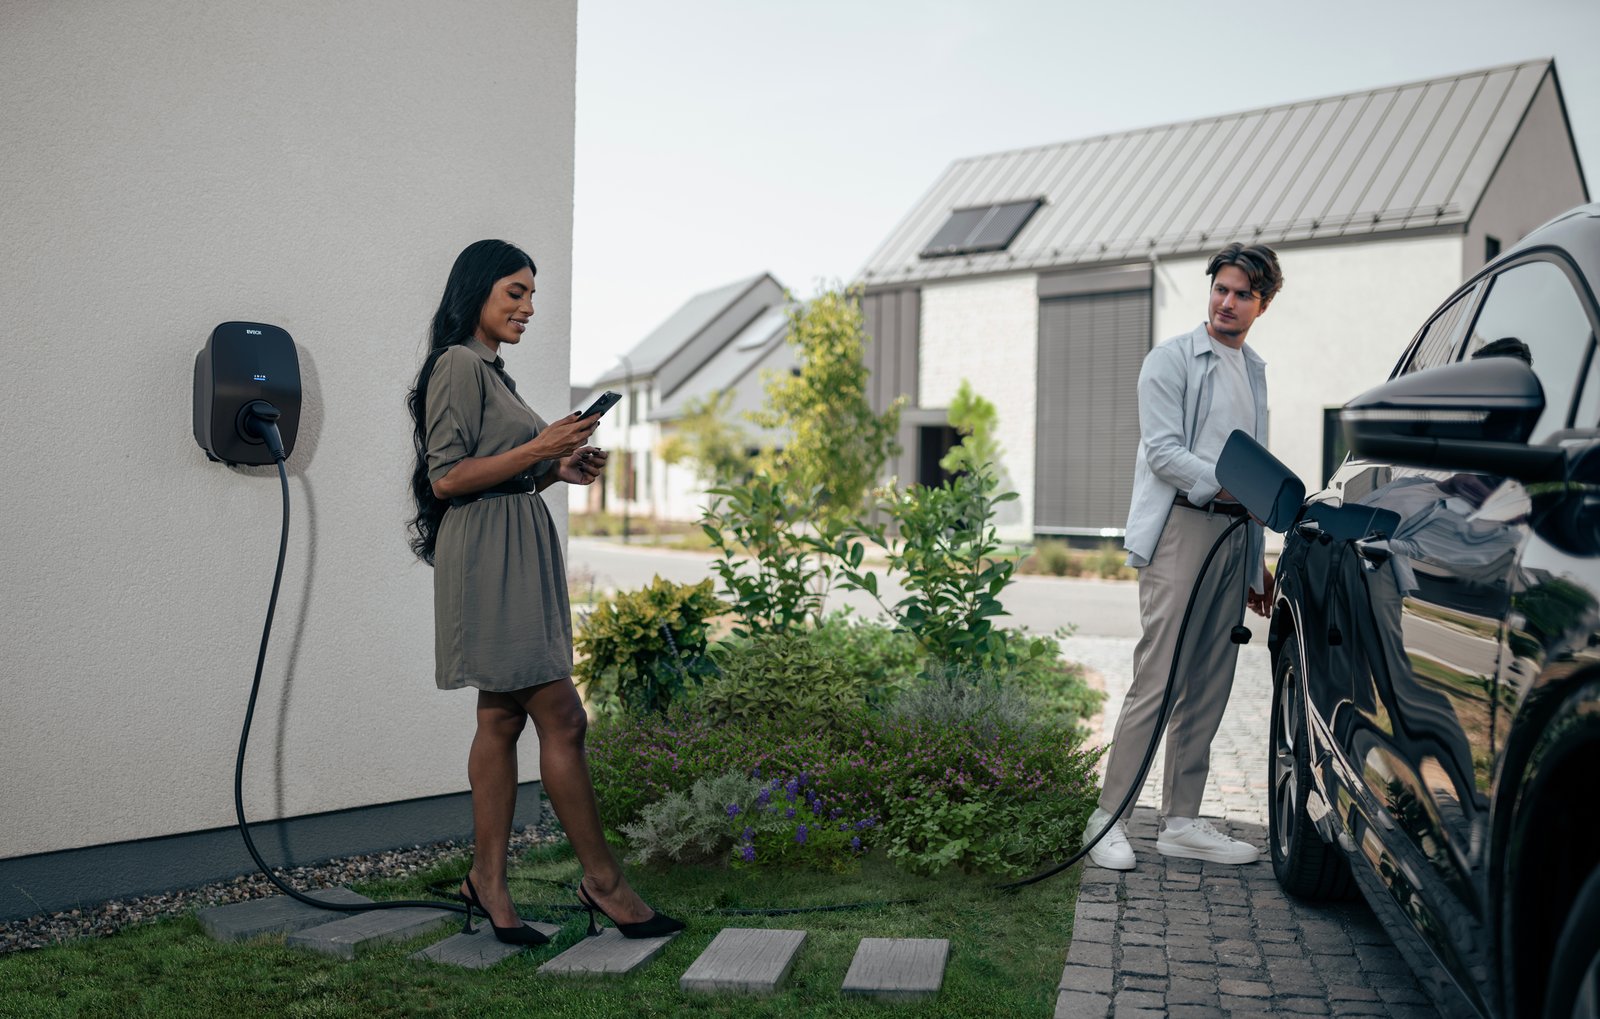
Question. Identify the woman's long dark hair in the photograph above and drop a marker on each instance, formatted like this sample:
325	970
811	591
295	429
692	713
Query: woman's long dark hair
474	275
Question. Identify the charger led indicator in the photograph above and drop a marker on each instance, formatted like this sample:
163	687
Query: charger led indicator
259	378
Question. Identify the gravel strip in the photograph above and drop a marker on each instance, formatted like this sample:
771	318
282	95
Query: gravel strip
109	917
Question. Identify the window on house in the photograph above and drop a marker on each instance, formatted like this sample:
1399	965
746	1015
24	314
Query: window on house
933	442
980	229
1491	248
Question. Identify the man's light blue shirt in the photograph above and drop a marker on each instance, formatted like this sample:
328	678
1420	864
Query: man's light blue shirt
1174	396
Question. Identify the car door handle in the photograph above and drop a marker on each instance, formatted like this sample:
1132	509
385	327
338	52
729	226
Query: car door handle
1375	551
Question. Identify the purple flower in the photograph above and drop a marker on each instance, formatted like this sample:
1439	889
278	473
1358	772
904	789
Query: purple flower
733	811
749	834
789	813
748	854
800	834
764	797
791	790
855	844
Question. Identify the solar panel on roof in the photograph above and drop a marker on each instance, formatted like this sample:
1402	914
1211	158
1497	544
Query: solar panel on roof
988	228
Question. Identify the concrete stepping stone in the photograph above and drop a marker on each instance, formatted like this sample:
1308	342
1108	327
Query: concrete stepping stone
348	937
609	953
278	914
743	960
897	969
480	949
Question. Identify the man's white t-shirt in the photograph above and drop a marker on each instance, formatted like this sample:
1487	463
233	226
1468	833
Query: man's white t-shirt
1233	404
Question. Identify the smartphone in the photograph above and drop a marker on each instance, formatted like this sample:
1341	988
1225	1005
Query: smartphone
601	405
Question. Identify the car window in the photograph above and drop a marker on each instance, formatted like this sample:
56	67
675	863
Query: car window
1438	342
1534	303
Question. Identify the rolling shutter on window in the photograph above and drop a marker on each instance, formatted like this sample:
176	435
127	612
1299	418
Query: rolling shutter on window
1090	351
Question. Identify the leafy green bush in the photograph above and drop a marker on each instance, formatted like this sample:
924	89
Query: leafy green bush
943	541
984	832
874	768
780	676
1052	557
884	657
790	824
692	826
639	650
772	572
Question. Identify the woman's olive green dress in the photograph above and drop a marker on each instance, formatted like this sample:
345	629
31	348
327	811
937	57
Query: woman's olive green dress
501	619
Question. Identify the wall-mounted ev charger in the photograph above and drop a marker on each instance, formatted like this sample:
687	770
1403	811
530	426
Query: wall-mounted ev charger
247	394
247	413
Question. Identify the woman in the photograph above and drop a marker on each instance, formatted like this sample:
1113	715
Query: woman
502	624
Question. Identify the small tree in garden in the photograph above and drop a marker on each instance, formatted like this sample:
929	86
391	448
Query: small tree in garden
836	443
943	539
768	567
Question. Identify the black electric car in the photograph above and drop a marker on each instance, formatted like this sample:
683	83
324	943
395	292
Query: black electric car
1435	736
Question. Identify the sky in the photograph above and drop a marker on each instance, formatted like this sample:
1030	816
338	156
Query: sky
718	139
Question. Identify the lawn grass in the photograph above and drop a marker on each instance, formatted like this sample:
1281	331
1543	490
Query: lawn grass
1006	954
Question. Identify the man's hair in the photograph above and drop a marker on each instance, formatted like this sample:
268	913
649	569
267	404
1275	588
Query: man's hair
1257	261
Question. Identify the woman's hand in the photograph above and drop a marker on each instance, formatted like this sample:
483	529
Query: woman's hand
562	438
582	466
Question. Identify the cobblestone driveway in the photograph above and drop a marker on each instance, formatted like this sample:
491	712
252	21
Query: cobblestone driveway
1204	941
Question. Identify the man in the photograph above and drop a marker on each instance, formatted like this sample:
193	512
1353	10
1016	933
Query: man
1194	390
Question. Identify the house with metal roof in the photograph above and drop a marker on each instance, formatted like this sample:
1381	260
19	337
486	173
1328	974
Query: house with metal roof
1043	276
718	341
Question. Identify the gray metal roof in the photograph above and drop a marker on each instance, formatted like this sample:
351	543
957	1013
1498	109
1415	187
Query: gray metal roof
1390	159
681	326
730	364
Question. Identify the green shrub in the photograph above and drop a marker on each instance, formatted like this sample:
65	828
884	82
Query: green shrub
692	826
1109	562
782	677
950	695
773	573
639	650
874	770
942	541
884	657
1052	557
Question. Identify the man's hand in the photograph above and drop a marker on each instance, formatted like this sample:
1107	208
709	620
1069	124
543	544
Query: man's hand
582	466
1261	604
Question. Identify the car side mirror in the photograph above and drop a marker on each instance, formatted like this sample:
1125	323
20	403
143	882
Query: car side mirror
1475	415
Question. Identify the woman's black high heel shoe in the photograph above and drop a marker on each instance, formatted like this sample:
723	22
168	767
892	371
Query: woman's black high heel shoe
659	925
521	934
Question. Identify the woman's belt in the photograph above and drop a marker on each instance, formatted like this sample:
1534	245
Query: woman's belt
1227	509
519	485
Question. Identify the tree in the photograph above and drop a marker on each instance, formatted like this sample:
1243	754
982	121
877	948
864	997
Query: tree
975	418
835	444
709	440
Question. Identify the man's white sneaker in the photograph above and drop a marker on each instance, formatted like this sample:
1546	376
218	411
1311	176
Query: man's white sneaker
1113	851
1200	841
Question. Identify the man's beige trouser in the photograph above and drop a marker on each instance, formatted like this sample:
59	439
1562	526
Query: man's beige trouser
1205	674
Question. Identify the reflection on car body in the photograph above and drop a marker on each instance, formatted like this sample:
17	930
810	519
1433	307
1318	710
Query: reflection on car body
1436	723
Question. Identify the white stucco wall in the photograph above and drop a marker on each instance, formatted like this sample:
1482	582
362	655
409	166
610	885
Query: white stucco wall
1344	315
987	332
168	165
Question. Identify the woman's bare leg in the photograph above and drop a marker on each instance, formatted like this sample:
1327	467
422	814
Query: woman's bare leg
492	771
559	718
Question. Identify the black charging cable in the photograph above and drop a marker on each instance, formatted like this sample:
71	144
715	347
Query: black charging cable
1161	716
260	419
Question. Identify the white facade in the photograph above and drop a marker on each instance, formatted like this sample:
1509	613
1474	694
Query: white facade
170	166
986	331
1344	315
